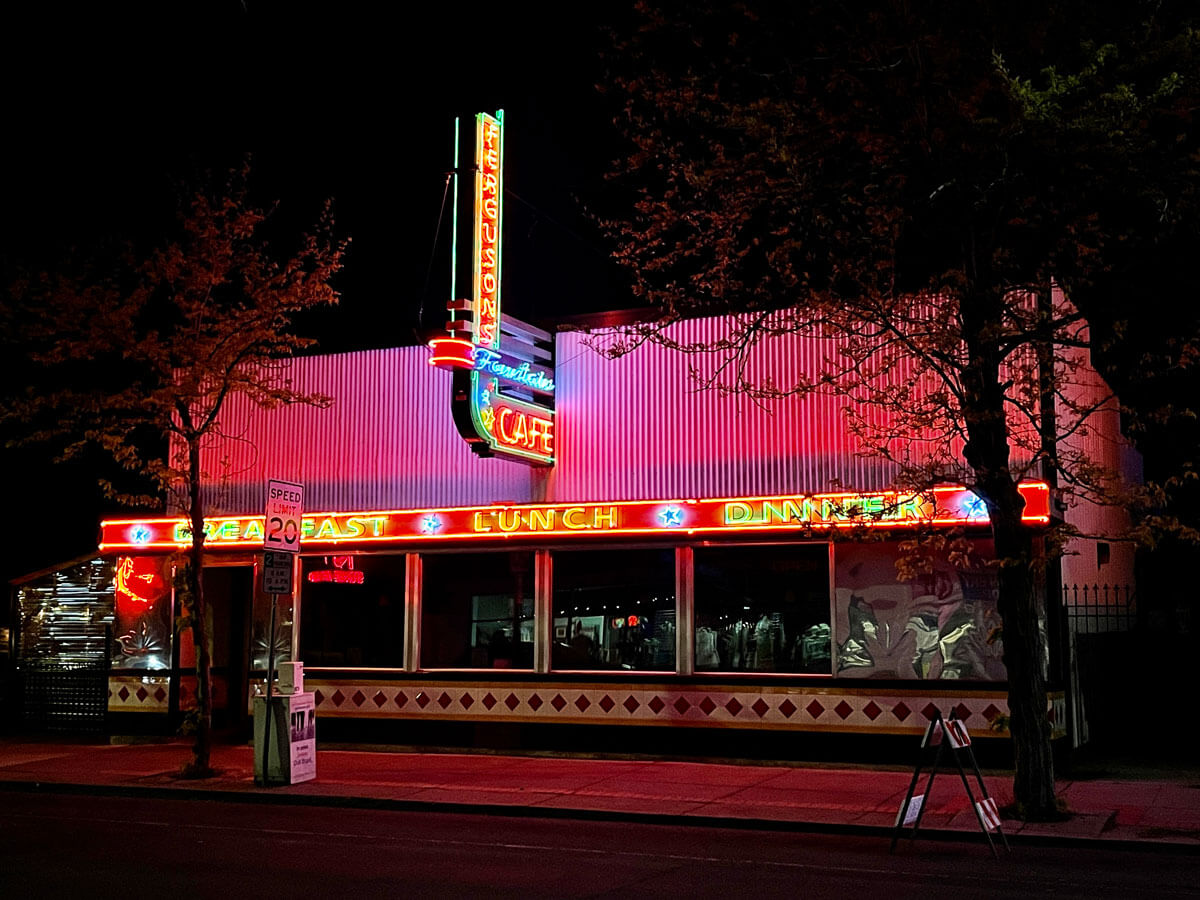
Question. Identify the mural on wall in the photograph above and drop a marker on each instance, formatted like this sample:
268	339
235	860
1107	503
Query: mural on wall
142	625
940	625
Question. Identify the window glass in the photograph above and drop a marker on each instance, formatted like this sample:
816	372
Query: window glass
614	609
352	612
762	609
477	610
941	624
142	613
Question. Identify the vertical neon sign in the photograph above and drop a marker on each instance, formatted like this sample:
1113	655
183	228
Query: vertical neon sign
502	396
488	200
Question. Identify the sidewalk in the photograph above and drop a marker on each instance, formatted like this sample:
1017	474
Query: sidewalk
1161	810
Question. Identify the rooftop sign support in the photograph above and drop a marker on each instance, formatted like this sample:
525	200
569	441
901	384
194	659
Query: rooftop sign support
502	396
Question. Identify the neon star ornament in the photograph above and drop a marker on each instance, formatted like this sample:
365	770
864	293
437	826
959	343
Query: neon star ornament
973	507
431	524
671	516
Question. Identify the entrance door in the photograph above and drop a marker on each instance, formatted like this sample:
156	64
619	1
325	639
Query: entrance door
228	591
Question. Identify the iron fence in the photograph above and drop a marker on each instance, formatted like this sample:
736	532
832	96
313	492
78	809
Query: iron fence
1100	608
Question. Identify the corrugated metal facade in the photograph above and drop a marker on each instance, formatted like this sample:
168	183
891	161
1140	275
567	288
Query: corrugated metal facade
387	442
636	427
639	427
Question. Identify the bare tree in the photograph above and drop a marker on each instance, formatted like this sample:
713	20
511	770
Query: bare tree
140	356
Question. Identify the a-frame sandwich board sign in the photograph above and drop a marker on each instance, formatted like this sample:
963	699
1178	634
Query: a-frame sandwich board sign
940	734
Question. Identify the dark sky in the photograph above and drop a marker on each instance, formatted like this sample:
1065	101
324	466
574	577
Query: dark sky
107	105
354	101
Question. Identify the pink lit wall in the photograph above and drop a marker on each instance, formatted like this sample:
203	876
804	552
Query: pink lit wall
636	427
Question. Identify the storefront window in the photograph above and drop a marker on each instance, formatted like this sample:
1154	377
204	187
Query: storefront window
762	609
477	610
614	609
66	618
142	613
942	624
352	611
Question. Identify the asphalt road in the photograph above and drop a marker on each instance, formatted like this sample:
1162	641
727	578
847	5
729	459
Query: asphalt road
66	846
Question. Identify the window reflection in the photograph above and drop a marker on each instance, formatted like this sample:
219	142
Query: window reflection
357	621
762	609
477	610
614	610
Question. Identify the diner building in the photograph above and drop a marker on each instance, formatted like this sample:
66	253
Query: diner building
529	532
685	561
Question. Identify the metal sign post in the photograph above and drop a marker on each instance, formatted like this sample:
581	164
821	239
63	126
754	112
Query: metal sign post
281	541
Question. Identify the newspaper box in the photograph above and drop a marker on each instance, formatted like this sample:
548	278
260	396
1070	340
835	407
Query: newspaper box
292	751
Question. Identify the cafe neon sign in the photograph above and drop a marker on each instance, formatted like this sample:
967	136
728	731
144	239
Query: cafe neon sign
789	514
503	375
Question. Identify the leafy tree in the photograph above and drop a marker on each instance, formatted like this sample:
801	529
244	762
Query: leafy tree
886	177
142	354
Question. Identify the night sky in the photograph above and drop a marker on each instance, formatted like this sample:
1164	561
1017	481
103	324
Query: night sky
107	108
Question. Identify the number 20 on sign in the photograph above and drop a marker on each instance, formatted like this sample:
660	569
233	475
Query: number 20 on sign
285	511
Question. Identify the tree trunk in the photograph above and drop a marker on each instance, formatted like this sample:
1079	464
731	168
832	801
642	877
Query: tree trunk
1024	658
987	453
202	750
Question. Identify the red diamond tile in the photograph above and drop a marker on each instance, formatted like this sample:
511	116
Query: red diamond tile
607	703
466	700
814	709
359	698
963	712
656	704
123	693
707	706
380	698
338	698
787	707
535	702
760	706
318	697
582	702
991	712
558	702
930	711
734	706
142	694
444	700
160	695
631	703
488	700
843	709
901	712
422	699
873	711
401	698
682	705
512	702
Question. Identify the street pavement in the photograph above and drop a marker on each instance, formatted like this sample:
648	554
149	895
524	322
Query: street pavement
1120	805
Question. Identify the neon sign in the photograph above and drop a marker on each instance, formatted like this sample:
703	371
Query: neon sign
502	397
487	228
492	362
341	571
798	514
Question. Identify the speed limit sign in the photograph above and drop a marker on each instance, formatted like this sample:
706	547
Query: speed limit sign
285	513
